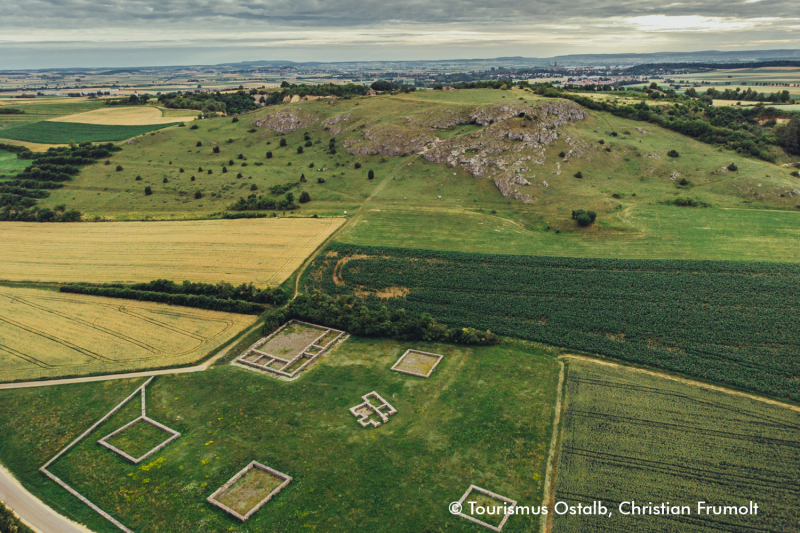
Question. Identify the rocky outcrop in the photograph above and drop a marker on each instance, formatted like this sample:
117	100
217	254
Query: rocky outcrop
440	119
390	139
286	121
332	122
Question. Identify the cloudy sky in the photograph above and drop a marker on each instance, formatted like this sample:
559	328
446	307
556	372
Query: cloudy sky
107	33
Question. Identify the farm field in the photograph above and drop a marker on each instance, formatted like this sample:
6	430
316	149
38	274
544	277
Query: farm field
38	110
49	132
629	436
483	417
128	116
9	164
724	322
636	232
47	334
261	251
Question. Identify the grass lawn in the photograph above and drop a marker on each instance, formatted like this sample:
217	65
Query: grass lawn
139	439
483	417
10	164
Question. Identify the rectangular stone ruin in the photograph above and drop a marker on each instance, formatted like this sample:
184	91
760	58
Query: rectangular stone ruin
141	420
373	405
292	360
236	496
474	488
417	363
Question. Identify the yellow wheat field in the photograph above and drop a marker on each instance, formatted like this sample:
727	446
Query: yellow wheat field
262	251
46	334
124	116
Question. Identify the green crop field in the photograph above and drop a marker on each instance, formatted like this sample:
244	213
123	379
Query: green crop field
38	110
10	164
65	132
483	417
725	322
629	436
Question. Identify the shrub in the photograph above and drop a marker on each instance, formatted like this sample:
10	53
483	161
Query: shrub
601	141
192	179
299	149
107	162
254	187
138	178
235	119
684	182
240	156
215	149
304	197
199	143
673	153
230	163
795	173
148	191
357	165
303	178
732	167
579	175
199	169
370	175
311	165
239	176
562	155
269	155
165	180
584	218
320	180
283	142
194	127
119	168
198	195
308	143
180	170
209	171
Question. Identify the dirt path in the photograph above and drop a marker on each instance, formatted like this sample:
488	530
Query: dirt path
31	510
145	373
688	381
549	481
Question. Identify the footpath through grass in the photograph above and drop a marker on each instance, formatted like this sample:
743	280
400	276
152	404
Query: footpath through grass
483	417
726	322
629	436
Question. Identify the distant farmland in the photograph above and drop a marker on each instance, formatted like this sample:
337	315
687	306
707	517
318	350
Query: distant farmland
629	436
721	321
127	116
261	251
45	334
48	132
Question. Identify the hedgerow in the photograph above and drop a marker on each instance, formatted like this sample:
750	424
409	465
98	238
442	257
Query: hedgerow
728	322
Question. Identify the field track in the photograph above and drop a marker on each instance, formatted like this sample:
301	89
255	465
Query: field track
261	251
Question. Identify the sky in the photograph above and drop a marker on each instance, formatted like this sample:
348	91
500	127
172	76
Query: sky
126	33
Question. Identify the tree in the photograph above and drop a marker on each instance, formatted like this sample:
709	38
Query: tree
584	218
254	187
383	85
269	155
216	149
357	165
305	197
148	191
283	142
320	180
199	143
303	178
309	143
732	167
299	149
289	198
579	175
165	180
789	137
235	119
198	195
673	153
370	175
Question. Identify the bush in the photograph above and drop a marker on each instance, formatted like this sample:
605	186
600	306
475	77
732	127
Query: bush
302	178
283	142
194	127
107	162
304	197
254	187
795	174
320	180
370	175
119	168
673	153
192	178
579	175
732	167
235	119
138	178
269	155
197	194
562	155
148	191
683	182
180	170
601	141
215	149
199	143
357	165
165	180
311	165
584	218
308	144
209	171
299	149
224	170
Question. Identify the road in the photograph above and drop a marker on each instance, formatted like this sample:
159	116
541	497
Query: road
35	514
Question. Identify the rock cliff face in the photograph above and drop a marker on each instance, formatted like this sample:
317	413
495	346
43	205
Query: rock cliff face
512	140
286	121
